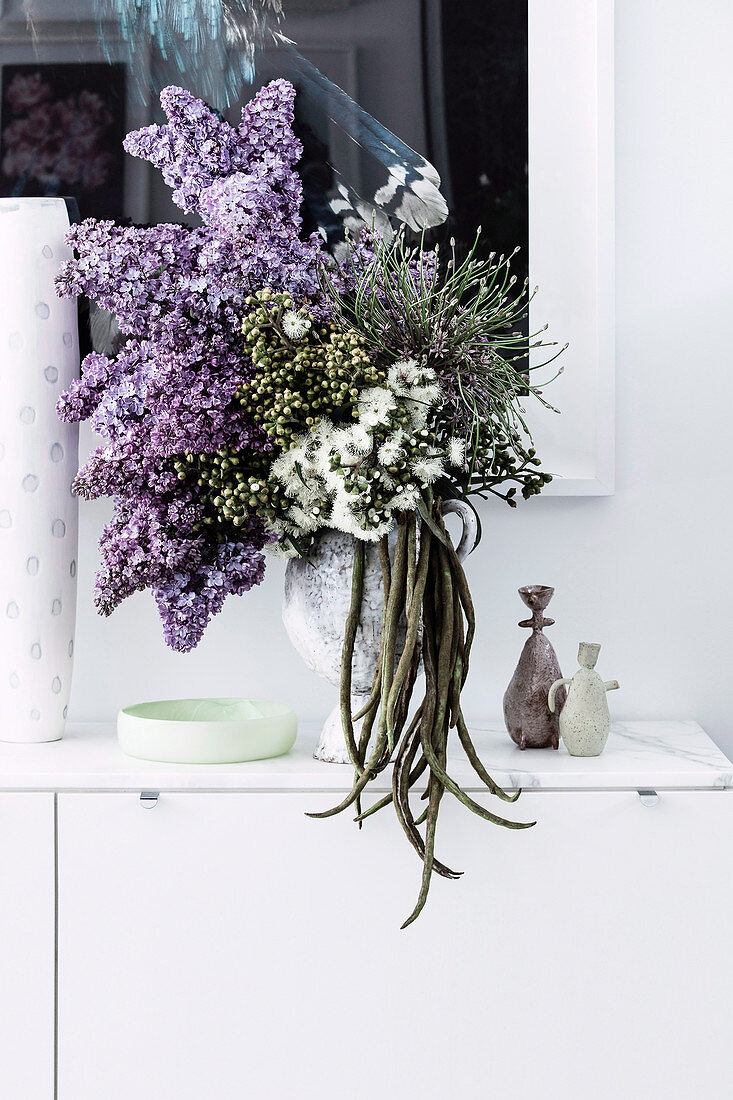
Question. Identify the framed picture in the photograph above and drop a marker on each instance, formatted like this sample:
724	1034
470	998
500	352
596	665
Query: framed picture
64	111
61	132
513	103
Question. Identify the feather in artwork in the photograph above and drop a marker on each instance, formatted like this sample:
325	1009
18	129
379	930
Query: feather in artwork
216	39
219	41
410	192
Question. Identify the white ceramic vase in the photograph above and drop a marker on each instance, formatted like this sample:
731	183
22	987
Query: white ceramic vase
316	604
39	357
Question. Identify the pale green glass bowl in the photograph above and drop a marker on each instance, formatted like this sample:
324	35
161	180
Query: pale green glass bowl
207	731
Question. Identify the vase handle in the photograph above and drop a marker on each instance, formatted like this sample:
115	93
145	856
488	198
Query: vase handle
469	534
553	691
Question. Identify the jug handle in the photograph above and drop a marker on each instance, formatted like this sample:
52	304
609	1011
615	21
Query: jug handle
470	533
551	693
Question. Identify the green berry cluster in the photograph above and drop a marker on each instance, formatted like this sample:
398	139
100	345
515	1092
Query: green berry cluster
300	377
304	372
233	484
501	457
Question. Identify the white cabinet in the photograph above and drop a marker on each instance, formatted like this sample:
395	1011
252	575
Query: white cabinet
224	945
27	934
220	944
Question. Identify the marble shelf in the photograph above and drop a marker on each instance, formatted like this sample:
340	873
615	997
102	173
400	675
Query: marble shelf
661	755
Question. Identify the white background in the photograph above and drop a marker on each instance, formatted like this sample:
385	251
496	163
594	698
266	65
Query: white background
645	572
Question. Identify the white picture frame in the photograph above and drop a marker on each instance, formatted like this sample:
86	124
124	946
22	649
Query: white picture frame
571	250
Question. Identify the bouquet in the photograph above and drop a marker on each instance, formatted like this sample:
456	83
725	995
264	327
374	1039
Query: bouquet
264	390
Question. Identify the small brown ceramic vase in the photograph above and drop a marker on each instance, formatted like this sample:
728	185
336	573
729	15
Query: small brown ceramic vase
528	717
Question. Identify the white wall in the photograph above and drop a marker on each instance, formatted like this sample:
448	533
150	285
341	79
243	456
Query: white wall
643	572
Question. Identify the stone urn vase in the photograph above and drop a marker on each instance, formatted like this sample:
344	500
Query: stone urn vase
316	604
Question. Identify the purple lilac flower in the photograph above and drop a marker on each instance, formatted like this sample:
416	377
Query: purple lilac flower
188	598
178	294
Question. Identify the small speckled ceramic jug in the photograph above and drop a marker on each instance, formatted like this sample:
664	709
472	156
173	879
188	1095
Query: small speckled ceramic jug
584	720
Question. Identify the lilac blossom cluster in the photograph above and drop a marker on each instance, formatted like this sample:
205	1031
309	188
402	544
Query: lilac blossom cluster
178	293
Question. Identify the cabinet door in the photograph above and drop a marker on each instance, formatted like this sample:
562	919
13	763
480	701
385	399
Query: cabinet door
223	945
27	935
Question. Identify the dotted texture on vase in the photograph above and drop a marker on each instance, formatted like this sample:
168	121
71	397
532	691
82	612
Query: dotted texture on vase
38	462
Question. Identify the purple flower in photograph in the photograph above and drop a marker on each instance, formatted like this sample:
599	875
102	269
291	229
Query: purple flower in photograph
55	141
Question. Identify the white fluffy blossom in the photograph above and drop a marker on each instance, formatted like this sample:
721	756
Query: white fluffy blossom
294	325
284	468
428	470
375	405
429	394
406	500
391	450
342	514
403	375
457	452
306	521
358	440
418	411
339	475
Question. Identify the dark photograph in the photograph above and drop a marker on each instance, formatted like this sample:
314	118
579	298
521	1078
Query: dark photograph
61	134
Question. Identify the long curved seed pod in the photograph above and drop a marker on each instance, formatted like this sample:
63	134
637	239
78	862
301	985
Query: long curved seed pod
374	699
395	605
426	583
366	731
411	559
415	774
413	628
403	703
386	566
467	602
400	777
401	786
455	685
374	696
367	775
347	656
401	782
478	767
452	786
429	651
432	819
445	641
